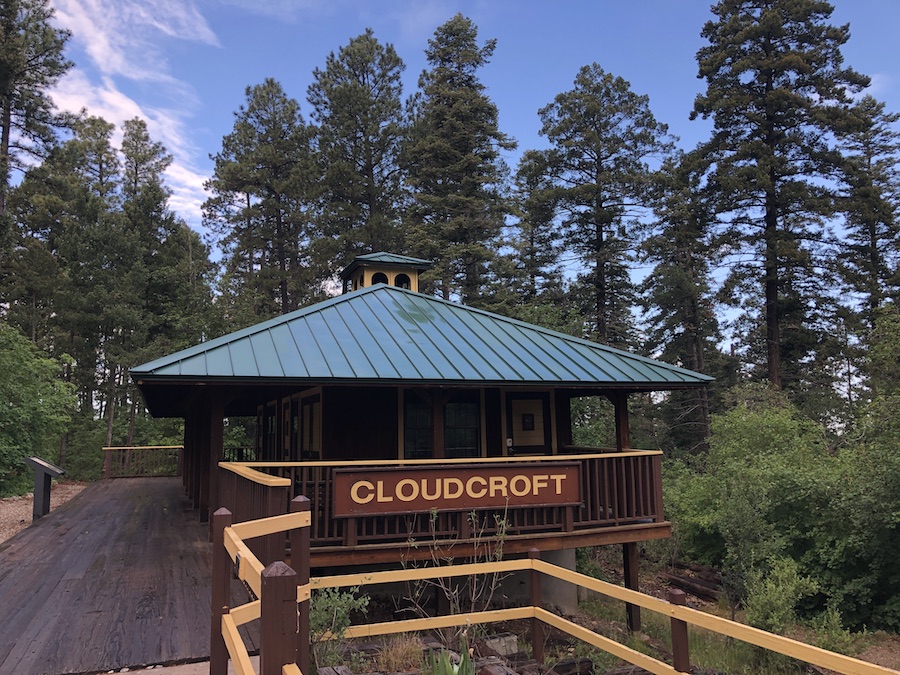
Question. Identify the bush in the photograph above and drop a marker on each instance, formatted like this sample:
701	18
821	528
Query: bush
773	598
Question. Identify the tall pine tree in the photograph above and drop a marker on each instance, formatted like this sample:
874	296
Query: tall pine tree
455	164
603	137
356	105
31	61
260	207
776	91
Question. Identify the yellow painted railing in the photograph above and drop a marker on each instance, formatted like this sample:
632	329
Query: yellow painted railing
285	639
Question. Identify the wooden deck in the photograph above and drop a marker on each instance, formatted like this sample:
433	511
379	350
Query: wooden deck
119	576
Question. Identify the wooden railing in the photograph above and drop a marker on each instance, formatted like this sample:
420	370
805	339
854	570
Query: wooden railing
284	648
147	460
617	489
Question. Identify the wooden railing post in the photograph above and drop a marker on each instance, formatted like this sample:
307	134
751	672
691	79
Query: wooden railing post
221	593
681	658
537	629
278	618
300	538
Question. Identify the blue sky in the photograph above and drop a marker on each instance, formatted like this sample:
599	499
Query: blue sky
184	65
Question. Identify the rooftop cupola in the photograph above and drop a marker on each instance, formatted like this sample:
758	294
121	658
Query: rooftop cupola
384	268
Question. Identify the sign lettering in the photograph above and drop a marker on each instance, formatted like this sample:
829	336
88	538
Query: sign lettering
453	487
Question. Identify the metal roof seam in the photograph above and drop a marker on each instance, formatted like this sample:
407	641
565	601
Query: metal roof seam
450	345
494	350
546	344
293	338
364	351
377	319
337	345
533	359
404	311
456	330
277	353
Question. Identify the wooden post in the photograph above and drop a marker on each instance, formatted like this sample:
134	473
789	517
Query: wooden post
278	618
537	629
630	564
300	539
221	593
106	463
216	431
623	431
681	658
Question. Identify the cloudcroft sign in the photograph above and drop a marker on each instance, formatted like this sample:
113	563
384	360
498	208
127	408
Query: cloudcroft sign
359	492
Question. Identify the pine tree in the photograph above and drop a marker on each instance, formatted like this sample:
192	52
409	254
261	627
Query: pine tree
776	91
456	171
603	137
677	294
260	207
356	105
31	61
869	247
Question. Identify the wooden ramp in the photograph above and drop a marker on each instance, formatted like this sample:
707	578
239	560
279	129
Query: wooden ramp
119	576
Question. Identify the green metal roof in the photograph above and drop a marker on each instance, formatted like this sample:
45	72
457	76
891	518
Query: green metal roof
384	334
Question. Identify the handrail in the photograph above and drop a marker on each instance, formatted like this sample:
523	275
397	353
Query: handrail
459	460
246	470
129	461
250	569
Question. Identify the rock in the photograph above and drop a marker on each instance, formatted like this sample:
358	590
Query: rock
504	644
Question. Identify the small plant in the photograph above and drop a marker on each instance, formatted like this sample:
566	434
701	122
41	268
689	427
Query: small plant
330	610
441	663
830	633
475	593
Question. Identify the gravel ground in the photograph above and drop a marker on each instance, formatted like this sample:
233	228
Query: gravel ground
15	512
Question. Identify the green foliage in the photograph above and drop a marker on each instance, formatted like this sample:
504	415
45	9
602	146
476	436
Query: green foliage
774	595
260	208
596	180
769	490
830	633
330	614
454	164
36	405
356	105
31	62
776	92
441	663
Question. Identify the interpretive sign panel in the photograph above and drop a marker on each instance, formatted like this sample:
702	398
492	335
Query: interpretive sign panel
359	492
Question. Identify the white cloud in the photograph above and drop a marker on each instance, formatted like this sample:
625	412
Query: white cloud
121	37
124	41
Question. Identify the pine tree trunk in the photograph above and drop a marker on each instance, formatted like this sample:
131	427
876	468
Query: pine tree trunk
770	280
4	155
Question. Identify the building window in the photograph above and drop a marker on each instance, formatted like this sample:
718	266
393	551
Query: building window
402	281
379	278
462	428
417	433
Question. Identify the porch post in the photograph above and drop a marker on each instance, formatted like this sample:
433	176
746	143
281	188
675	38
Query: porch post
216	431
623	431
192	455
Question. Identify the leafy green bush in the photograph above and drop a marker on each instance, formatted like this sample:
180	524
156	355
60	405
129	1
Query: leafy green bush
34	407
773	596
330	612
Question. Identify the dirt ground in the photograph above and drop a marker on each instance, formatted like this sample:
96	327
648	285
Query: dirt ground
15	512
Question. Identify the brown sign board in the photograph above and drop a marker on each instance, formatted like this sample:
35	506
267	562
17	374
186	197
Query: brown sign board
360	492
